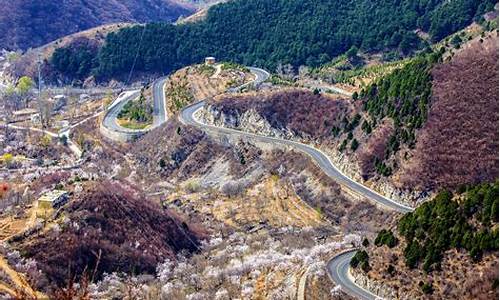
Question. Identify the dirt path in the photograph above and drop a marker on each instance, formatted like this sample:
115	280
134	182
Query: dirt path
19	280
301	292
6	289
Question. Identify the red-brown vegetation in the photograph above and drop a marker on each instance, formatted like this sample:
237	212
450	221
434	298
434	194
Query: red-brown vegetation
26	24
118	227
306	114
374	148
175	150
459	142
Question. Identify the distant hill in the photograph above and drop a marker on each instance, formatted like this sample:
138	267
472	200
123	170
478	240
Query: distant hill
299	32
25	24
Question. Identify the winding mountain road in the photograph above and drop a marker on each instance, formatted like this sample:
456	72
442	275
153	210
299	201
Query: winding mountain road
338	269
188	116
159	110
159	104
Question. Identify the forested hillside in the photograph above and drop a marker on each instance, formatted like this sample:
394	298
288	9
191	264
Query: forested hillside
26	23
403	96
299	32
451	238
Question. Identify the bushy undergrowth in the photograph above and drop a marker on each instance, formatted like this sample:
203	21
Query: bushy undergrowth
111	228
444	223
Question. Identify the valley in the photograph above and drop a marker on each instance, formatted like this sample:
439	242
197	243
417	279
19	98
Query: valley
336	165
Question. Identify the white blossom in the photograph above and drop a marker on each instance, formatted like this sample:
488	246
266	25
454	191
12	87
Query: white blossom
336	290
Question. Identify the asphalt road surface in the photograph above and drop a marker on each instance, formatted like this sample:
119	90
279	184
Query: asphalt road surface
187	116
109	120
260	76
338	268
159	109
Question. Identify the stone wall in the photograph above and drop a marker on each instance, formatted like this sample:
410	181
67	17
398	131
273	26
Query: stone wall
120	136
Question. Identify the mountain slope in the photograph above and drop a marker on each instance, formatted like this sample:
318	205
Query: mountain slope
446	249
267	33
459	142
429	125
26	24
113	228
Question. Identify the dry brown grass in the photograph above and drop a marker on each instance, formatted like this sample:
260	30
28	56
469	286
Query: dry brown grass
270	201
196	82
459	278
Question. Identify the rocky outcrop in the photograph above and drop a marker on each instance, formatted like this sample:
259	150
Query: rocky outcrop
373	286
251	121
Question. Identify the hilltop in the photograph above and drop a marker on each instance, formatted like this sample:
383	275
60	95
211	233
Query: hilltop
27	24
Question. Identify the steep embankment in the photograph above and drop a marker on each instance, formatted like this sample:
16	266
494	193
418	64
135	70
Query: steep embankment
459	142
427	126
110	227
446	249
195	162
25	24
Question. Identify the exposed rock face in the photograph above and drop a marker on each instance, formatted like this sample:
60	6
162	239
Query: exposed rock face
373	286
249	121
253	122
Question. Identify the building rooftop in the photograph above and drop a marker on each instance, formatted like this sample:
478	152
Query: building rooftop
52	195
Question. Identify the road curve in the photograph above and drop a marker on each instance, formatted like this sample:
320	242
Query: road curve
338	269
159	110
187	116
260	76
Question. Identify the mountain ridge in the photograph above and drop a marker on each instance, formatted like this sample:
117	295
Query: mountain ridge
25	23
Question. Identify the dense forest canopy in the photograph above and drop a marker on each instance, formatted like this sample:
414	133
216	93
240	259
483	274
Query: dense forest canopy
300	32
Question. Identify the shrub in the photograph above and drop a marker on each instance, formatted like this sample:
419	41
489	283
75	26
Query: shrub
63	139
391	270
354	144
427	288
386	237
360	259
